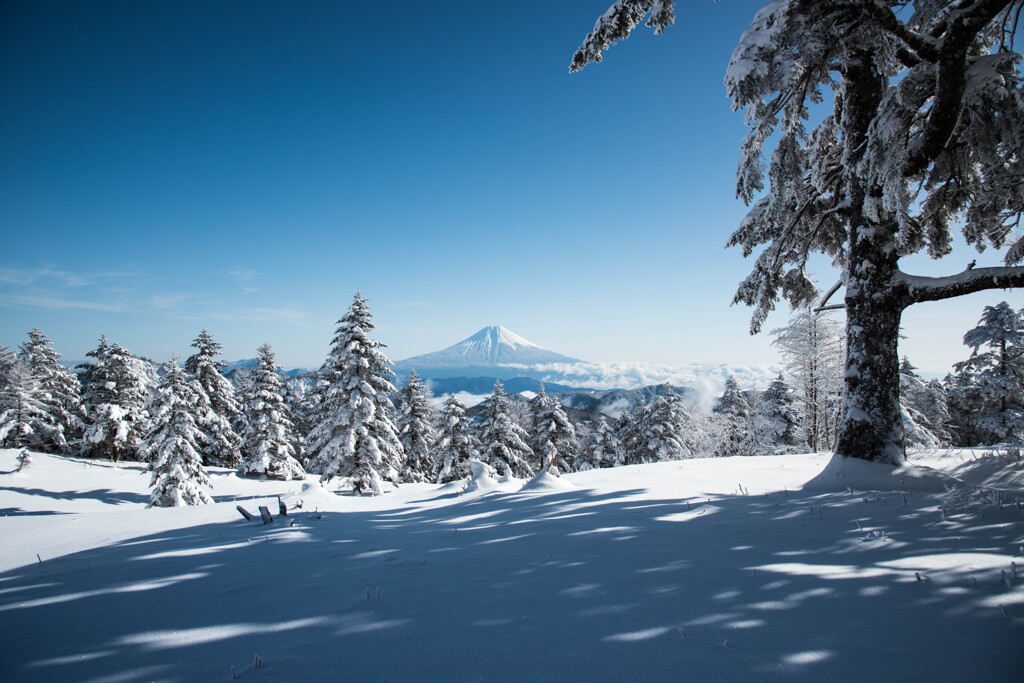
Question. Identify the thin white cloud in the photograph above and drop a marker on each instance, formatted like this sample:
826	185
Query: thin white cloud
55	302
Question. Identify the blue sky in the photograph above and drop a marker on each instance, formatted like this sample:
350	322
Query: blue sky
245	166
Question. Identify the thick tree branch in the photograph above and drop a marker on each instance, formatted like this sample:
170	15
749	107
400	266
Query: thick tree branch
951	59
918	289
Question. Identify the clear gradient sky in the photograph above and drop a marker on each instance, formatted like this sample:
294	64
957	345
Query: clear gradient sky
244	166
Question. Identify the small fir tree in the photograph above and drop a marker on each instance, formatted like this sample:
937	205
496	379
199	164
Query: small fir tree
416	429
733	415
917	428
354	436
23	412
173	445
773	425
992	379
600	449
456	445
224	444
502	441
269	446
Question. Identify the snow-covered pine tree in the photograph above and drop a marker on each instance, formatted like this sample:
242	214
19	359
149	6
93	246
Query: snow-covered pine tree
991	387
224	445
601	449
59	392
416	429
173	445
456	444
113	401
773	424
354	436
502	441
812	350
655	430
268	449
927	133
6	358
733	417
23	411
552	426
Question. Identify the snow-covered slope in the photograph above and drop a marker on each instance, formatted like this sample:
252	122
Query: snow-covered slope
718	569
491	350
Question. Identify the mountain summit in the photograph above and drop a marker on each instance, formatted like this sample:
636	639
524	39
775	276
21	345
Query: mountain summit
489	352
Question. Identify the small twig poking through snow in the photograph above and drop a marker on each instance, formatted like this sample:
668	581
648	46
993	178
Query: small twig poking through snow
258	663
904	500
859	525
39	558
1013	570
1003	608
233	676
367	593
681	632
919	577
378	592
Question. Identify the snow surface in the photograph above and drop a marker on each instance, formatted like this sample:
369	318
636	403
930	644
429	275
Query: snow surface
717	569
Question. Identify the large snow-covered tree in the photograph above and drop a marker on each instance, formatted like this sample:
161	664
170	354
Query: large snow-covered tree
354	436
268	449
416	429
224	445
59	392
654	431
926	133
813	355
456	444
502	441
992	379
173	445
113	401
551	427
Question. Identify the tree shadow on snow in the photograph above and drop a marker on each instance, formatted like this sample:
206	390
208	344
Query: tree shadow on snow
108	496
567	585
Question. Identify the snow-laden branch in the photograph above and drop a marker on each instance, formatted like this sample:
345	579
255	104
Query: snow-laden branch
918	288
617	23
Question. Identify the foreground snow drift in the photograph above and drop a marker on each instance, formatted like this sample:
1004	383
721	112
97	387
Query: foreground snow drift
699	569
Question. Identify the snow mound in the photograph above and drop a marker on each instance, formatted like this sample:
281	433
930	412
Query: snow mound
843	473
312	495
546	481
482	478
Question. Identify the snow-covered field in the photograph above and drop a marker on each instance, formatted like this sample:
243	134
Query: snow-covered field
696	570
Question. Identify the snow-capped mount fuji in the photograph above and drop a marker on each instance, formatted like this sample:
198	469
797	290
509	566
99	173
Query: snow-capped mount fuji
493	352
